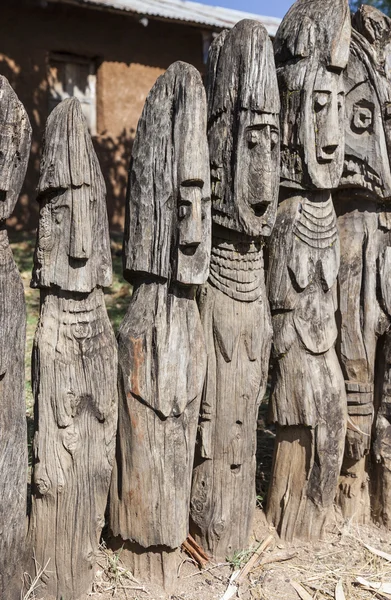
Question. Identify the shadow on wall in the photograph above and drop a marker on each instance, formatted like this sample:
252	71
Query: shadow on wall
31	86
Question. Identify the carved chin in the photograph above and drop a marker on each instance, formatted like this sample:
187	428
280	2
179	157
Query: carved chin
323	175
192	265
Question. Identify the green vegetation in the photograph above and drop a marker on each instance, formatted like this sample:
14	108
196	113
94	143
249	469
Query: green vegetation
117	297
239	559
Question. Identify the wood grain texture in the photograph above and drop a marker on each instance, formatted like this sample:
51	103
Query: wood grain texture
365	228
15	136
243	131
162	355
308	400
74	366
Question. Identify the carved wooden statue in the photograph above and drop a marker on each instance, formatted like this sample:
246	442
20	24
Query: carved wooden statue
308	401
74	359
162	356
243	129
364	221
15	136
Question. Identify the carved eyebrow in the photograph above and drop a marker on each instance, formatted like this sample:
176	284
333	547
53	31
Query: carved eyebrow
51	194
260	126
193	183
334	69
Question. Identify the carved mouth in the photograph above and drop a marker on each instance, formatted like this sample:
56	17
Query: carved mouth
259	208
323	160
189	250
359	172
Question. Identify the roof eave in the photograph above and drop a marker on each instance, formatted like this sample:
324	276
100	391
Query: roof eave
138	16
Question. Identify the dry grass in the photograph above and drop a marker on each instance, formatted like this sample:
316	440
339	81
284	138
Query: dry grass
112	577
319	567
32	585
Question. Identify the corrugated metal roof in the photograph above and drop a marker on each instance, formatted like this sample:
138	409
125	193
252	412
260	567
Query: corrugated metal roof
183	10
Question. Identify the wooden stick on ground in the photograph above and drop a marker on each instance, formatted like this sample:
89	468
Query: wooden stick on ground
276	557
195	551
239	576
253	560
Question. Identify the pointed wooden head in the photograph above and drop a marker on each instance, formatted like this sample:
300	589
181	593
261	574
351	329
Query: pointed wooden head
368	105
168	222
312	51
15	141
73	244
243	129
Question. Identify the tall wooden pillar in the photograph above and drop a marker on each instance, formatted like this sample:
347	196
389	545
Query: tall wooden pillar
243	131
74	360
15	137
308	400
162	357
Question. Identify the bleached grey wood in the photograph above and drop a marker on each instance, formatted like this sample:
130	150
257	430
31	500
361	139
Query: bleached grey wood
162	353
15	137
364	223
243	131
308	400
74	365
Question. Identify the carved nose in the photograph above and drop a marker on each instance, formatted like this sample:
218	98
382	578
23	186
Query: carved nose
81	226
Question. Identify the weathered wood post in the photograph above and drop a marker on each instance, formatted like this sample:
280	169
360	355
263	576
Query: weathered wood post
243	130
308	401
74	359
364	222
15	136
162	354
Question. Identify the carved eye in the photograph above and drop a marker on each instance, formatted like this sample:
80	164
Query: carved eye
252	138
58	214
321	100
183	210
274	138
340	101
362	117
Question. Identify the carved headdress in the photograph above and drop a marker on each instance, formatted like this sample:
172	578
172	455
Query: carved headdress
243	129
311	50
73	245
167	229
15	136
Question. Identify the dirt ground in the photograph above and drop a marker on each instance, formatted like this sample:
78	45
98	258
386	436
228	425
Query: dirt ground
318	568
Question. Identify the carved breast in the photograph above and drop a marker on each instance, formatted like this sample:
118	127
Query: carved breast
162	350
315	246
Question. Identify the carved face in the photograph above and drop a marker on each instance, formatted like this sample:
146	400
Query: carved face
244	130
311	53
194	231
64	248
73	246
367	162
72	252
254	182
257	172
192	221
313	125
168	220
